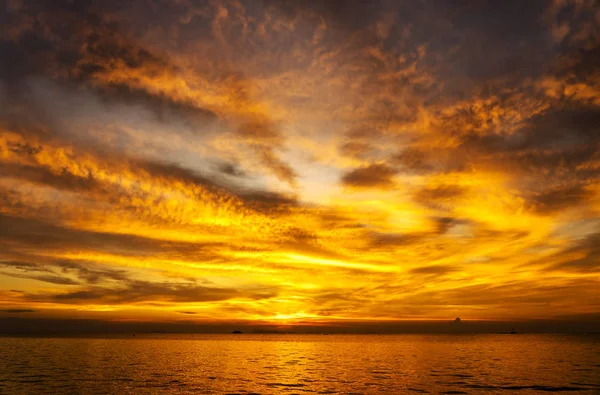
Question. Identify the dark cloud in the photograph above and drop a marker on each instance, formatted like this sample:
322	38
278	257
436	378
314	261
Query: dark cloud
43	176
439	195
34	232
269	202
372	176
61	271
173	171
90	274
510	295
136	291
347	15
17	311
558	138
560	128
396	239
332	219
555	200
164	108
445	223
495	41
231	169
24	266
123	288
435	270
18	67
413	160
282	170
580	67
587	251
47	278
260	130
24	149
356	149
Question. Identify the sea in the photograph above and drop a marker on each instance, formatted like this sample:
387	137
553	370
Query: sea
301	364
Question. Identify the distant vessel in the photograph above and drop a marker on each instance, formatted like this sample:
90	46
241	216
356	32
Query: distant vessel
513	332
237	332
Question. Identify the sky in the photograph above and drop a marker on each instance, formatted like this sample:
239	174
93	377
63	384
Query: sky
299	163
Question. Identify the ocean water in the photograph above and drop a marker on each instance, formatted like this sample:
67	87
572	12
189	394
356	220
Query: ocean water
301	364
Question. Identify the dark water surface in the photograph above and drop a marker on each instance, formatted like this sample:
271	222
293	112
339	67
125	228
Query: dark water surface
301	364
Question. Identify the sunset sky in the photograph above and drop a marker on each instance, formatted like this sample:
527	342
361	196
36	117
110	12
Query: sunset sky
299	162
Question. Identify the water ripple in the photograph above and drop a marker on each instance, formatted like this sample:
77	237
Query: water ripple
278	364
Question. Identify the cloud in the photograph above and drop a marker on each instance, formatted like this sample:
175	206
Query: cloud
44	176
555	200
435	270
18	230
356	149
413	160
231	169
103	285
396	239
90	274
372	176
137	291
581	257
24	266
44	278
439	196
17	311
62	272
